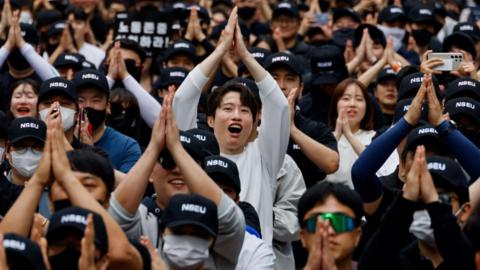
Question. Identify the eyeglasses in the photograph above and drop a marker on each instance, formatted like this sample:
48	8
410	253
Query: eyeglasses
339	222
166	160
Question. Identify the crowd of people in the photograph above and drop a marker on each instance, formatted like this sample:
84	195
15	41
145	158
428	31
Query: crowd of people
264	134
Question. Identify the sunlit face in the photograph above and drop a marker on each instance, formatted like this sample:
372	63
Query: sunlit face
24	101
386	93
94	185
341	245
289	25
353	103
92	98
286	79
167	183
232	123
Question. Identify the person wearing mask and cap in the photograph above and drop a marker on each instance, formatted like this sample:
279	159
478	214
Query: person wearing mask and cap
172	160
68	63
391	21
254	254
180	54
284	27
93	98
26	138
344	23
471	30
133	56
247	10
87	185
22	59
465	112
20	253
169	77
232	113
432	206
330	215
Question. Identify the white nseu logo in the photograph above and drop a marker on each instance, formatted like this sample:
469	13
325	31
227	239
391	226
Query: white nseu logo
466	28
74	218
29	125
189	207
467	83
90	76
396	10
184	139
282	58
58	84
325	64
437	166
258	55
425	11
216	162
284	5
177	74
71	58
427	131
181	45
14	244
464	104
202	138
416	80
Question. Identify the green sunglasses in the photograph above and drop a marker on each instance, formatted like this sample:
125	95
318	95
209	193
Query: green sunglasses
339	222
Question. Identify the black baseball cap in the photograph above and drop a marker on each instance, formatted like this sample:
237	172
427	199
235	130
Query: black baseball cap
470	29
425	134
448	175
376	35
181	47
191	209
89	78
217	30
460	40
74	220
463	87
259	54
22	253
403	106
57	86
327	65
29	33
88	65
463	106
421	14
207	140
411	83
168	76
47	16
283	59
223	170
386	74
191	144
56	28
27	128
392	14
287	9
346	12
73	60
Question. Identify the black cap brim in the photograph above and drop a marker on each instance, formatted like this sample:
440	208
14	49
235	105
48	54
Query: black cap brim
176	223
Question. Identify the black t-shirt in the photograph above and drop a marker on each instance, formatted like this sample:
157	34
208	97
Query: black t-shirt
99	27
314	106
9	193
320	133
301	50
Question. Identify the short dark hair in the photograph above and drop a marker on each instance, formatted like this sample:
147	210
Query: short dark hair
247	98
367	121
321	191
128	44
123	95
89	161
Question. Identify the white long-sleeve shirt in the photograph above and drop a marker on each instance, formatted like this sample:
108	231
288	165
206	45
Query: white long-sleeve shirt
261	160
43	69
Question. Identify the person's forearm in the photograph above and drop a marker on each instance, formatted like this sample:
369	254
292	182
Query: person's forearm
357	146
195	177
122	255
256	70
206	66
352	65
43	69
129	193
368	76
149	107
325	158
19	217
4	53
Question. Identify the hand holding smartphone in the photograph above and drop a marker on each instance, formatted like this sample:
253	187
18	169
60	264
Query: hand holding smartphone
451	61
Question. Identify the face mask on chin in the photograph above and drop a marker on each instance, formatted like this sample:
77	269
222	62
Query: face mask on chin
26	163
421	227
184	251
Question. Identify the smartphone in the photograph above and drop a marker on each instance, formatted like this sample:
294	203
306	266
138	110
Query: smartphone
321	19
451	61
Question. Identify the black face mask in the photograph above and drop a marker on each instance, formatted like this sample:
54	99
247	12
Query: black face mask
134	70
422	37
122	120
61	204
96	117
246	13
342	35
51	48
17	61
324	5
68	259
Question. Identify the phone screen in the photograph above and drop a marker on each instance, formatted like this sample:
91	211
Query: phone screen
321	19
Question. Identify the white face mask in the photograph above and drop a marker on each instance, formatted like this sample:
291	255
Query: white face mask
26	17
26	162
68	116
396	33
184	251
421	227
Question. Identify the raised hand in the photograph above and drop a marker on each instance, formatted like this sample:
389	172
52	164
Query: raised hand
411	189
240	48
320	256
19	41
414	112
6	20
277	37
229	31
292	97
428	65
339	125
157	262
428	191
10	43
87	257
39	225
369	48
66	40
61	167
172	134
190	33
347	131
435	114
158	131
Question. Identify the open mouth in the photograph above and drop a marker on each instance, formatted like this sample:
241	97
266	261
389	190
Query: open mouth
177	183
23	110
235	128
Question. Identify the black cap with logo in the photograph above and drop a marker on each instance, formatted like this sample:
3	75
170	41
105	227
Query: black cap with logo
287	9
411	83
27	128
283	59
22	253
183	209
66	60
328	65
448	175
392	14
168	76
57	86
463	106
223	170
207	140
91	78
181	47
463	87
